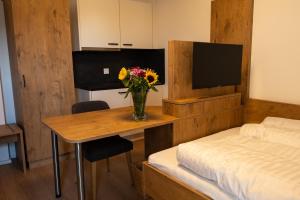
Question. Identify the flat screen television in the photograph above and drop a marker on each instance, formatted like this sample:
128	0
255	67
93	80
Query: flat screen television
216	65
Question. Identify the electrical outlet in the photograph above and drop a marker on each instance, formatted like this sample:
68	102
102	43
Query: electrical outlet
105	70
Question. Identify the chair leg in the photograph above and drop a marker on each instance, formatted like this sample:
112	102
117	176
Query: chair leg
107	165
129	163
94	179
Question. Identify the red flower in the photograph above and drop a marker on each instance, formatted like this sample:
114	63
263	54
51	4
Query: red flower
137	71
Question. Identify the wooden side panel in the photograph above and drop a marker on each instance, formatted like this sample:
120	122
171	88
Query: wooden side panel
161	186
158	139
231	22
42	69
257	110
202	117
180	74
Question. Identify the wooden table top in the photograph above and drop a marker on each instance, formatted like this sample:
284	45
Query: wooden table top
90	126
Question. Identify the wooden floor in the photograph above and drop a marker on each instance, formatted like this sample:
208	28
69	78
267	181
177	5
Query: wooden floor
38	184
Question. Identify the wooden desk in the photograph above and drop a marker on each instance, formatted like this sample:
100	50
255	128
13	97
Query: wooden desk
90	126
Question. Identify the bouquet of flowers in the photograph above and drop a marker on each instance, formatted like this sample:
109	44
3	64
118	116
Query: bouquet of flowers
138	81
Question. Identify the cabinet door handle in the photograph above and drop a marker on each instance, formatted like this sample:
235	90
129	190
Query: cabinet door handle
24	81
122	92
128	45
113	44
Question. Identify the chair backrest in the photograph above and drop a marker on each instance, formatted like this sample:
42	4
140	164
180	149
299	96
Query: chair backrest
89	106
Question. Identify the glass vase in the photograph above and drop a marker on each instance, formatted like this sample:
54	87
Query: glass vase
139	101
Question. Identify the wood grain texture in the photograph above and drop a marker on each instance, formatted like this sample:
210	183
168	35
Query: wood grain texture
202	117
257	110
9	130
231	22
38	183
99	124
180	74
42	72
160	186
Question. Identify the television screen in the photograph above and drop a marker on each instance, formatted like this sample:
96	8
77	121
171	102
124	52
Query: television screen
216	64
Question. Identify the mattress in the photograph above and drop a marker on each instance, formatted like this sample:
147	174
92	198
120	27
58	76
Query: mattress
166	161
259	163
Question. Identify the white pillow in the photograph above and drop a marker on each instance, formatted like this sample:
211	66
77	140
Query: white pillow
253	130
272	134
281	123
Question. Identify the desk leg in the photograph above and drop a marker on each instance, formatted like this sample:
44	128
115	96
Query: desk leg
56	165
80	174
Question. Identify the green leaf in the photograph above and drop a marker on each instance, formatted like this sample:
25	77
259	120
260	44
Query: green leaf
154	89
126	82
127	93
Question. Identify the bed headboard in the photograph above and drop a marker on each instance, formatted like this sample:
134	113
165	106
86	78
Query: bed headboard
256	110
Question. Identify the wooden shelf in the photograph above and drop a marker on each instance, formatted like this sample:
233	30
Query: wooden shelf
12	133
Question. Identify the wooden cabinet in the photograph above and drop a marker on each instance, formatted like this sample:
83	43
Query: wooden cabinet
136	22
98	24
200	117
41	63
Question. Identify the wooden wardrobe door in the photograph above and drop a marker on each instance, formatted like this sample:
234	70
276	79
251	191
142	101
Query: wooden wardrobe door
43	65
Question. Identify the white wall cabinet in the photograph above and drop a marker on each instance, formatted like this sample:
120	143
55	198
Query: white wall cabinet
155	98
136	22
112	24
115	98
98	22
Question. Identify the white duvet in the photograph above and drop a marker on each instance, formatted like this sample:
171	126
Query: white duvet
245	166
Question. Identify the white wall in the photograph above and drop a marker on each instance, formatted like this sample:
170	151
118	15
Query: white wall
5	71
6	80
275	70
2	114
4	151
187	20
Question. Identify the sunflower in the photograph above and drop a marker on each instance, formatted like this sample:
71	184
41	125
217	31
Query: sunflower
123	74
151	77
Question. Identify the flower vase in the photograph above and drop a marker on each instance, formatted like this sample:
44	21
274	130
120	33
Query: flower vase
139	101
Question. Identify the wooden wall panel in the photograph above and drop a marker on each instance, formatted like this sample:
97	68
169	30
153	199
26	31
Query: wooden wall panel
42	72
202	117
257	110
231	22
180	74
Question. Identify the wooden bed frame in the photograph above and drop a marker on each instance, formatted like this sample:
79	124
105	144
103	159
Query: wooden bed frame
161	186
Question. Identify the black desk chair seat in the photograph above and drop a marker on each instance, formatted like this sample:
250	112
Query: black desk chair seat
105	148
102	148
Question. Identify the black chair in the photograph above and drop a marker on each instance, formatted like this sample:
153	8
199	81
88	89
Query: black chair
102	148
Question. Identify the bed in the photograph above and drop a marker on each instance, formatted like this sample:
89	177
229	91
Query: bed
170	174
